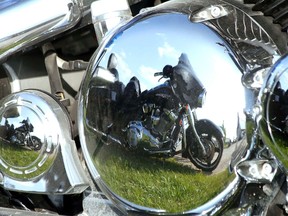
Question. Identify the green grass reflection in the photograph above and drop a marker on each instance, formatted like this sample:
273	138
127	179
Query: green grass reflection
21	159
155	182
276	140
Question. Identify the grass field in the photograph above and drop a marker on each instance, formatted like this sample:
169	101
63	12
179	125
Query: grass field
21	159
155	182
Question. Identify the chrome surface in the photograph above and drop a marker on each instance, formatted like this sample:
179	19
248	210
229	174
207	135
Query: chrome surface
231	55
25	11
210	12
37	150
253	46
51	20
136	133
257	171
14	80
106	15
223	47
272	113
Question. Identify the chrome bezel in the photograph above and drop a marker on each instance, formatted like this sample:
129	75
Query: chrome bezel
56	168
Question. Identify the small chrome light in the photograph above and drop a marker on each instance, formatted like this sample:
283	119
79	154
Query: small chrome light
202	98
37	150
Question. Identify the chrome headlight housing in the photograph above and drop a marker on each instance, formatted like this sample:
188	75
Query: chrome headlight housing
142	47
271	111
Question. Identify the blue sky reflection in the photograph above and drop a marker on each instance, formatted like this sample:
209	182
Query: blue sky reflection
149	45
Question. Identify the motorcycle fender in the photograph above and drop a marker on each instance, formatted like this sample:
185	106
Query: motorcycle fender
202	123
206	123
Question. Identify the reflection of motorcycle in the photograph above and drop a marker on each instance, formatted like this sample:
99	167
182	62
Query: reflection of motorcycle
21	136
161	120
164	120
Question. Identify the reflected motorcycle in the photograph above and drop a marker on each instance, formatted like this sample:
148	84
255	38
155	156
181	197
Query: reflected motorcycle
43	63
21	136
163	121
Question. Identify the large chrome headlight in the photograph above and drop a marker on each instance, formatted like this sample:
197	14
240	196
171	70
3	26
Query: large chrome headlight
110	123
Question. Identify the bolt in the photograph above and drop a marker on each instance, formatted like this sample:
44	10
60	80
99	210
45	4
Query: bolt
215	11
267	168
203	14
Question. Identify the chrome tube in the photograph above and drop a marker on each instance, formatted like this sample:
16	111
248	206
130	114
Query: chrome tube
14	80
106	15
190	115
51	20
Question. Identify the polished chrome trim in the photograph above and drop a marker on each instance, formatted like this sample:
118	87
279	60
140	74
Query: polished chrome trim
94	173
107	15
14	80
29	37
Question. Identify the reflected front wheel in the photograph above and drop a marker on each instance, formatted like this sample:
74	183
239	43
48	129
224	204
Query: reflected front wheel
213	144
35	143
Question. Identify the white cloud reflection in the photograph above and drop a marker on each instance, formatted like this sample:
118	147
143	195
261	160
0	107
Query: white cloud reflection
147	47
168	51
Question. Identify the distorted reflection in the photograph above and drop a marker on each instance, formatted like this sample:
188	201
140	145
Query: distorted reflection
36	150
274	107
18	132
21	136
162	120
156	120
21	139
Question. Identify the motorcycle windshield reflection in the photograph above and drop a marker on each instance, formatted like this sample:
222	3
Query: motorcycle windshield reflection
187	85
141	127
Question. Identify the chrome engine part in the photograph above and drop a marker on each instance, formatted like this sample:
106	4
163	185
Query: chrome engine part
138	135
